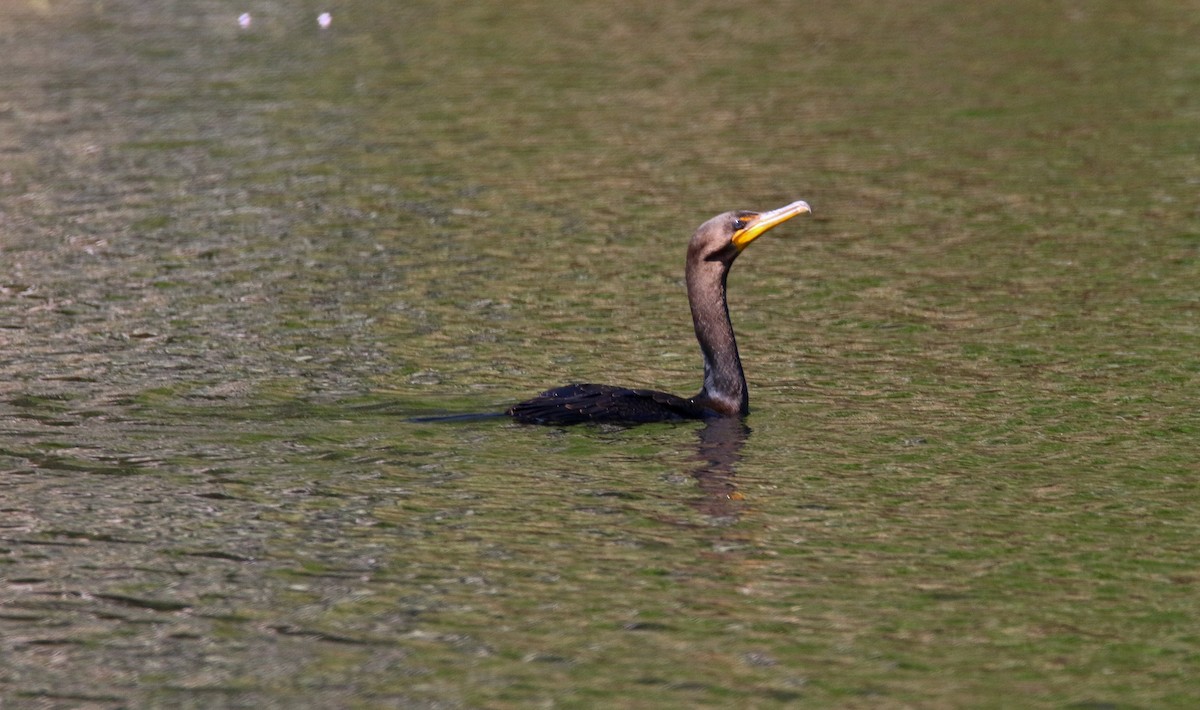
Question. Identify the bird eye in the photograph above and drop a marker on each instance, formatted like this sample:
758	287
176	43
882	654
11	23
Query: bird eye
739	225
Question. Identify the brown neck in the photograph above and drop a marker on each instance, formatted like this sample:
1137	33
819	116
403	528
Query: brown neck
724	382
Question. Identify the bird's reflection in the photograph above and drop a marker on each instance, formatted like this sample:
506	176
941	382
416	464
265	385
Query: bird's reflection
717	454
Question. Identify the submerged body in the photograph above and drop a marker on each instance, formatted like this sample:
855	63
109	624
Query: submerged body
711	252
574	404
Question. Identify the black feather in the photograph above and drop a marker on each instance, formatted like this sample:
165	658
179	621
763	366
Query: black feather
577	404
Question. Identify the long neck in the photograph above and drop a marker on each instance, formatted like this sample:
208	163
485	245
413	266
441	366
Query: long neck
724	382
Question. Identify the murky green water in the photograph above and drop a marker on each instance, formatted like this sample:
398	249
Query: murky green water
233	261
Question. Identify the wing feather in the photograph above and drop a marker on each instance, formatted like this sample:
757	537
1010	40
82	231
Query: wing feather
580	403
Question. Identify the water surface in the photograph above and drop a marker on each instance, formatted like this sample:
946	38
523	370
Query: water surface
234	262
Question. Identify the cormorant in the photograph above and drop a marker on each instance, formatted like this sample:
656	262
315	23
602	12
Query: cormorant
711	252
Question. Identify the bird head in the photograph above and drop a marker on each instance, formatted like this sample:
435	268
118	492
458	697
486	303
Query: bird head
723	237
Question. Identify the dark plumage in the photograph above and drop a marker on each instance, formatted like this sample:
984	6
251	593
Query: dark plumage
711	252
571	404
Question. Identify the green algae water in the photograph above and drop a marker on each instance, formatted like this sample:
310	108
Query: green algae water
240	251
